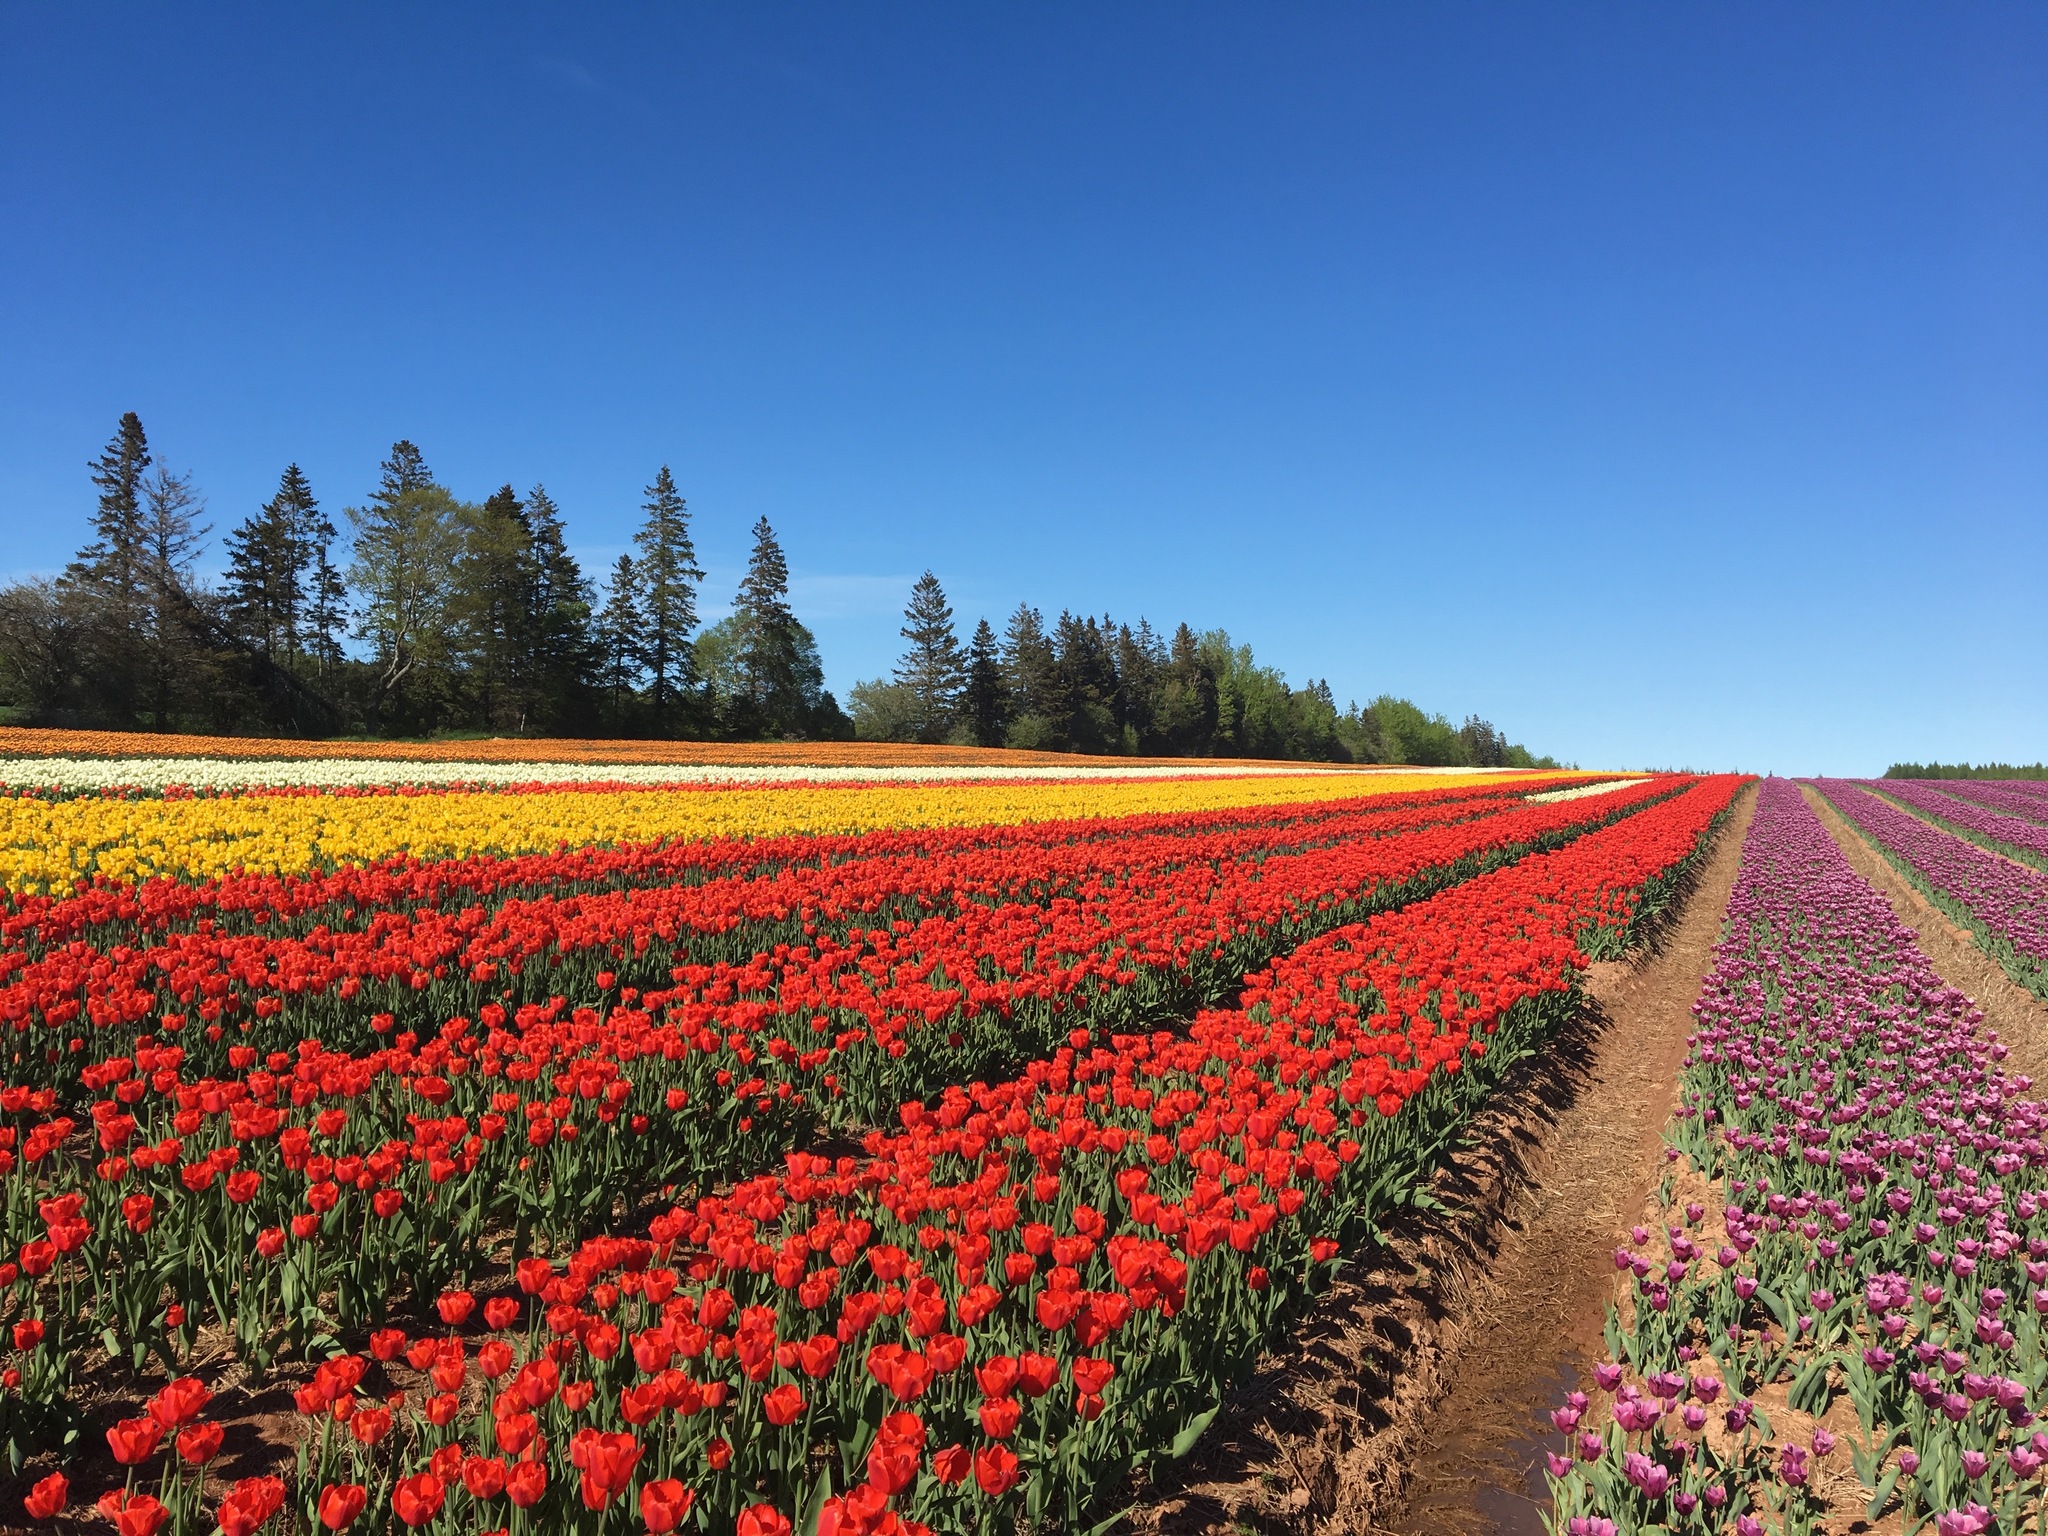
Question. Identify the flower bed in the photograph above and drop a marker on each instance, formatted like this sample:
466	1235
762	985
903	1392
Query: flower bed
2004	905
2012	836
999	1310
1854	1261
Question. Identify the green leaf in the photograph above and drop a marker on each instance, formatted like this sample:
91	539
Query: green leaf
814	1505
1883	1495
1193	1431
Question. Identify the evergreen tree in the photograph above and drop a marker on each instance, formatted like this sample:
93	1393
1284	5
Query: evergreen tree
490	608
1031	678
984	701
407	541
327	612
1187	709
271	560
406	470
103	587
621	640
1139	658
771	644
1086	681
931	667
559	652
668	574
112	561
174	631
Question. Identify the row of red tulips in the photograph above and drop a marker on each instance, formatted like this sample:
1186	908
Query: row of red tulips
106	911
1028	1288
421	964
299	1193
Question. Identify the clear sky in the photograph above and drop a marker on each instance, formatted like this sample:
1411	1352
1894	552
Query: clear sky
1667	383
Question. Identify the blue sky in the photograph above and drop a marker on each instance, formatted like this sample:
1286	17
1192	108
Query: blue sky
1667	383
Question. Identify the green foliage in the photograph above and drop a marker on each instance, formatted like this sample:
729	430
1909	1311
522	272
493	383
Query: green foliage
473	619
1967	771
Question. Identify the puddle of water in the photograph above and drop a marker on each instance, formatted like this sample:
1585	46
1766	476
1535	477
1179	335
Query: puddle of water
1488	1479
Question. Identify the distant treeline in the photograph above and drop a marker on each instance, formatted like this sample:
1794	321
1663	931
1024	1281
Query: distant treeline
442	616
1967	771
1100	686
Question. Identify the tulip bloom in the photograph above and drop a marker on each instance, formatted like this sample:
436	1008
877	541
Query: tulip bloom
340	1503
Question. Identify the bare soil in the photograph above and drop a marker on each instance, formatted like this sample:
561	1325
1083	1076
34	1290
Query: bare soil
1415	1398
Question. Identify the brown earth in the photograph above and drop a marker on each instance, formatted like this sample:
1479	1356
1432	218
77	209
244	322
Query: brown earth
1414	1397
2020	1018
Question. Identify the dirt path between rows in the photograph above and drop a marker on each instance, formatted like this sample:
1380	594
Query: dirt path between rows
1415	1398
2020	1018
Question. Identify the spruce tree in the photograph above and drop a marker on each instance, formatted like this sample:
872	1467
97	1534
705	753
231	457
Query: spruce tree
1029	668
621	638
112	562
272	560
559	657
668	574
931	667
173	635
983	701
103	588
771	642
490	608
407	541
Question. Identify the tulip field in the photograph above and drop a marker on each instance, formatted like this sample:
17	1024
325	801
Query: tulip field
1853	1261
621	1147
477	1145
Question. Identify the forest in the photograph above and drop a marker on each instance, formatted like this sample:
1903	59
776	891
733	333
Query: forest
419	614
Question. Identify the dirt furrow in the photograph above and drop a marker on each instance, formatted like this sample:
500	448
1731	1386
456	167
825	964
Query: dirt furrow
1415	1396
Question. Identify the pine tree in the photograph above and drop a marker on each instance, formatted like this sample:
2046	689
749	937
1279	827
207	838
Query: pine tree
271	568
668	575
489	604
112	562
1029	669
984	703
103	587
407	541
174	652
406	470
327	605
771	642
621	638
559	656
1187	712
931	667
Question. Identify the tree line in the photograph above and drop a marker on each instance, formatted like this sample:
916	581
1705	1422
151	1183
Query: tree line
1967	771
1087	684
438	615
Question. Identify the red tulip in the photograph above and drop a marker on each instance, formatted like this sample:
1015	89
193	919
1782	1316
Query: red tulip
417	1499
133	1441
999	1416
179	1402
664	1504
200	1443
249	1504
762	1520
783	1405
48	1497
526	1483
995	1469
133	1515
340	1503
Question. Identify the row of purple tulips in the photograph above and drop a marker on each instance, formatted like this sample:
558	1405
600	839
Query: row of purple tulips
2003	903
1841	1314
